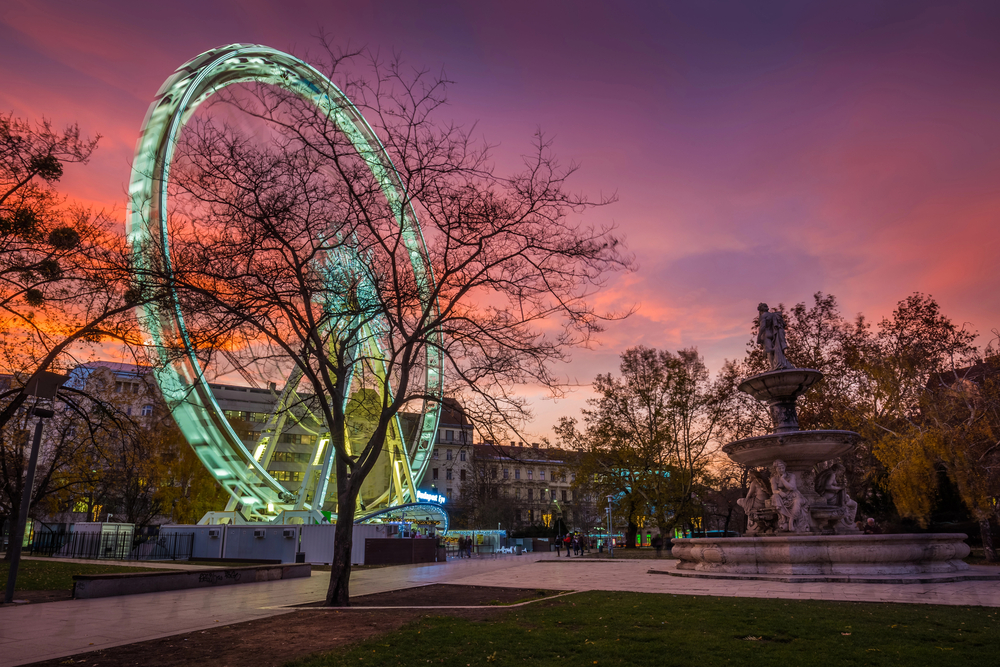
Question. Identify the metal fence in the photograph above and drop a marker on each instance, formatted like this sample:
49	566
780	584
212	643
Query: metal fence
113	546
45	543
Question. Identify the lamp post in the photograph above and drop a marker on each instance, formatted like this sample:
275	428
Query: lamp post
611	534
43	385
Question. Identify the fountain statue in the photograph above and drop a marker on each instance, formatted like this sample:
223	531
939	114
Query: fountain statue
800	518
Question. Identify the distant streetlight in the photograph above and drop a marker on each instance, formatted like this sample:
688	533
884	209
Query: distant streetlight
43	385
611	532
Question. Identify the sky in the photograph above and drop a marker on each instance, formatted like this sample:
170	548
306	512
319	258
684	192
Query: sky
759	151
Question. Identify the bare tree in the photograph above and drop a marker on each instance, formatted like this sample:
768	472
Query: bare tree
650	434
288	252
485	498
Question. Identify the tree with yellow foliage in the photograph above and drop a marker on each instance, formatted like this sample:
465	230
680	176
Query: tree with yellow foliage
957	430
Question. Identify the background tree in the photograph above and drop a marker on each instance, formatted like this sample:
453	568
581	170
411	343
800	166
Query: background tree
184	489
957	429
485	498
649	435
118	452
288	254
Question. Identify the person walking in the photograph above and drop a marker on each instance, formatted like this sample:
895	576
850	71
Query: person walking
658	545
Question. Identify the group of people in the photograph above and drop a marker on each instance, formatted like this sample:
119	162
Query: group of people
465	547
574	543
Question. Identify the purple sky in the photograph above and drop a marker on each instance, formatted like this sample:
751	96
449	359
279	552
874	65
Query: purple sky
760	151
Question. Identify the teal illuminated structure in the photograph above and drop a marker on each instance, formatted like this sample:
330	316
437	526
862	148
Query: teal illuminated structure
241	472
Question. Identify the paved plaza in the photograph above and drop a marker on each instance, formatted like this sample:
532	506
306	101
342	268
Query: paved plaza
42	631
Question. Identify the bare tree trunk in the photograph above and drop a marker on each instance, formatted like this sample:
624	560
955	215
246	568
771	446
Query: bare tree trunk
339	592
986	532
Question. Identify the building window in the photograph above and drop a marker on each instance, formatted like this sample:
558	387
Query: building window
531	516
530	472
447	492
517	493
447	473
286	475
541	475
517	515
296	439
449	435
530	494
493	473
517	473
447	455
435	453
506	473
461	455
128	409
564	496
290	457
553	494
552	475
461	474
434	473
147	410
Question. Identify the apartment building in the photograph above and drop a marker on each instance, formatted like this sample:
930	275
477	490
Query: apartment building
451	459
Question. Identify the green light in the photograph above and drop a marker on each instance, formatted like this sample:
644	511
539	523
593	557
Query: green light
181	381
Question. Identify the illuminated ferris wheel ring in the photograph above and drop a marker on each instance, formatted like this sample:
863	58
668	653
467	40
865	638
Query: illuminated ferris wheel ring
181	377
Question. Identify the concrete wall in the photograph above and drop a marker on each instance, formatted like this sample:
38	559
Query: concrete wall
241	543
317	542
108	585
395	551
204	546
238	542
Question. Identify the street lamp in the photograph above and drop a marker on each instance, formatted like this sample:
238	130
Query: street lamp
43	385
611	535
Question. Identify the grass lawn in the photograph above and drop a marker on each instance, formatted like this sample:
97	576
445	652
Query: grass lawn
45	575
599	628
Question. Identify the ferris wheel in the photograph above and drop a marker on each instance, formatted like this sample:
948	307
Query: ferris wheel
243	471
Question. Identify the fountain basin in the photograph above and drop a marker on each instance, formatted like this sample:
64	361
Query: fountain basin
782	385
798	449
829	555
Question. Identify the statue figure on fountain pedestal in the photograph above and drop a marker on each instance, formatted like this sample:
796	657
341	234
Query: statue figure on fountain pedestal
830	487
755	504
771	336
787	500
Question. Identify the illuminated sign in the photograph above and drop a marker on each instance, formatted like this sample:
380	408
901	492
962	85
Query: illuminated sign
427	497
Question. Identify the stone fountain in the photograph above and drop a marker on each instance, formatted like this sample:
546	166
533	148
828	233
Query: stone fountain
801	520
